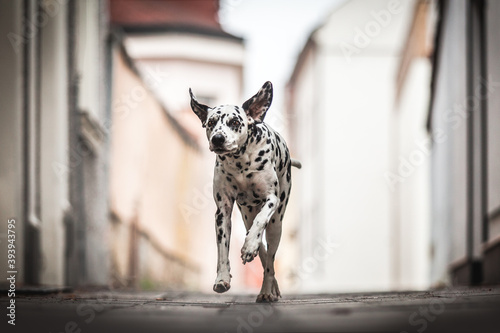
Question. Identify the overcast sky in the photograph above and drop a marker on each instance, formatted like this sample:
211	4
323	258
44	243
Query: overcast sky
275	32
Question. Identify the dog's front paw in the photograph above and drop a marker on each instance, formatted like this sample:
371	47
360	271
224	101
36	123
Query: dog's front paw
249	251
221	286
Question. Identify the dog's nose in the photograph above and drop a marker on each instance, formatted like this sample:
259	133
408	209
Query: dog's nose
218	140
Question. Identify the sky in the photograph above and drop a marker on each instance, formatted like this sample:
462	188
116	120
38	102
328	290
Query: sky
275	32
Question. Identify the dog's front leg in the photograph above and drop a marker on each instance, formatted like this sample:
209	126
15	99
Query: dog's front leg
223	230
253	239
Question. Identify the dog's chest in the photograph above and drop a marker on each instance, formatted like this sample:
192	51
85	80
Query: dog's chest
251	191
250	177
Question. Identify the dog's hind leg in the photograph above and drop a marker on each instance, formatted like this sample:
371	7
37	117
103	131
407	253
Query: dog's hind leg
270	291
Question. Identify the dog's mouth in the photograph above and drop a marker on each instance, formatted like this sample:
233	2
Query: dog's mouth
222	150
219	151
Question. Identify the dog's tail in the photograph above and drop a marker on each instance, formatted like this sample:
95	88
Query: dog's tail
296	163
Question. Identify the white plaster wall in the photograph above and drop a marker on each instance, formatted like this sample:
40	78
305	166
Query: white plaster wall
304	114
356	157
414	190
347	141
54	147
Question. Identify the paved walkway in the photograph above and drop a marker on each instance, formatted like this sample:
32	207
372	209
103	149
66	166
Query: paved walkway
451	310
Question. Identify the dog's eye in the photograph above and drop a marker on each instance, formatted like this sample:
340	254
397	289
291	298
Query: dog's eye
211	123
234	123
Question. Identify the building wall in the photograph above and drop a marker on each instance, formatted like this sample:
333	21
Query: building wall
343	94
493	49
449	186
304	198
412	194
411	147
491	248
158	184
465	165
92	66
42	105
11	133
54	142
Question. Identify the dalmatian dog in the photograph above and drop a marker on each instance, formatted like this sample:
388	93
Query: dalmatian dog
253	169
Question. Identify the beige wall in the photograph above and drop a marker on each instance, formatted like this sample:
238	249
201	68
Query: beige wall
150	164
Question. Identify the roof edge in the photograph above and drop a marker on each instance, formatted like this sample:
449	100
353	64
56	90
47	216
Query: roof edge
310	45
442	7
311	42
178	28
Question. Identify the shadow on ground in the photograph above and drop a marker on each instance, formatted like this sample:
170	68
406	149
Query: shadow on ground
450	310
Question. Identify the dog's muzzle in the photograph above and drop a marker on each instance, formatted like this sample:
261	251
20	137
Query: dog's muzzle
218	144
218	140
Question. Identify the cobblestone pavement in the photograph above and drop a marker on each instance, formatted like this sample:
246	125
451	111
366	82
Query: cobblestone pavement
450	310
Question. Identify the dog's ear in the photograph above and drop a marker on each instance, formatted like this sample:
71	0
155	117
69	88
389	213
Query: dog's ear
199	109
257	106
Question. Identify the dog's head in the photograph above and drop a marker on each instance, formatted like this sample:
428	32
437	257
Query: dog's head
228	125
